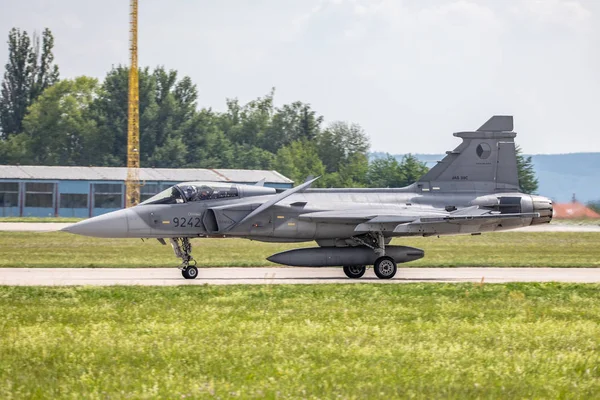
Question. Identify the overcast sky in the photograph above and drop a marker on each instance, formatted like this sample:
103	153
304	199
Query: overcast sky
410	72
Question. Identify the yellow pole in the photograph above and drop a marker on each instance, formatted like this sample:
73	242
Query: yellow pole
133	121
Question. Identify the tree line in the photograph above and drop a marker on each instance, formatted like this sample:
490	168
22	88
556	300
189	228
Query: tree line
83	122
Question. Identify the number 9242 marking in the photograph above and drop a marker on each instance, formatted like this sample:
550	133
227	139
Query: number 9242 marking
190	222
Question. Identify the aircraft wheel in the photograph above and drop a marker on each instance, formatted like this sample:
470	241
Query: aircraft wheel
190	272
354	271
385	267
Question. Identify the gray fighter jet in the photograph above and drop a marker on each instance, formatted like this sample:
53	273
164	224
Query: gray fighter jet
474	189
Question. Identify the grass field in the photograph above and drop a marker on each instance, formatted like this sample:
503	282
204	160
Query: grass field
26	249
325	341
40	219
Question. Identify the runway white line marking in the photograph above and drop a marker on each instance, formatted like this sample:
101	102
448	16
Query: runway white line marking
270	276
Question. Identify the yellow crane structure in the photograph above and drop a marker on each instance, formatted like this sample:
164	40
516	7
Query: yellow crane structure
132	193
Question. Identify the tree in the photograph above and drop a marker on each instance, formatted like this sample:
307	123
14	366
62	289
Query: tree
15	150
385	172
16	84
339	142
388	172
45	73
171	154
353	173
167	104
251	157
79	122
412	169
527	179
247	124
298	161
109	111
208	147
29	72
291	122
343	147
58	126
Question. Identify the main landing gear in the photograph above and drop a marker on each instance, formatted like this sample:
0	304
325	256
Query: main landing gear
183	249
354	271
384	266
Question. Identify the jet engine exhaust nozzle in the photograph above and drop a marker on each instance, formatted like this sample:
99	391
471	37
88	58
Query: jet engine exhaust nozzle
543	206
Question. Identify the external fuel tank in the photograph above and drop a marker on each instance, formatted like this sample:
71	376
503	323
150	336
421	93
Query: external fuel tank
340	256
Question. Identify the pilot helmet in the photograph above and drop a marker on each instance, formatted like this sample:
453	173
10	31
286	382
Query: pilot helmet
189	191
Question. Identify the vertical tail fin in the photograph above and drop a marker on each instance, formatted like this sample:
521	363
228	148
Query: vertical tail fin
485	161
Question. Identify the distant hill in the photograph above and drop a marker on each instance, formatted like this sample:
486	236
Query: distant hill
560	175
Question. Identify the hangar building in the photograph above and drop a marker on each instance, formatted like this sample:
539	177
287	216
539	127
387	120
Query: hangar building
42	191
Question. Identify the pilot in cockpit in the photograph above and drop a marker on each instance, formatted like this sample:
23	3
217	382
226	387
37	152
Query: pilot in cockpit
189	192
194	193
205	192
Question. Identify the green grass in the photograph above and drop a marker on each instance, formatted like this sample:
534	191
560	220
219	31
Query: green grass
60	249
40	219
304	341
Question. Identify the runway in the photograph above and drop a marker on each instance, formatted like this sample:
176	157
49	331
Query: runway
272	276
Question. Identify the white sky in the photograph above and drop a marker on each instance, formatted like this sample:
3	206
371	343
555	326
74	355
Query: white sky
410	72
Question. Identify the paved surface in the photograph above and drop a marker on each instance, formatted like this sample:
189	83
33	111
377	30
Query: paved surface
232	276
55	226
32	226
559	228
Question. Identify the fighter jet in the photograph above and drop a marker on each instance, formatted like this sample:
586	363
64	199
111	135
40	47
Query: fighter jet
472	190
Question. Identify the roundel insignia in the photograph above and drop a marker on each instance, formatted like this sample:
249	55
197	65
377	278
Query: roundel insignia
483	150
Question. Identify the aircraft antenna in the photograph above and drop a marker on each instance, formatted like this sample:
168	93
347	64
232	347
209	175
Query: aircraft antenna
133	116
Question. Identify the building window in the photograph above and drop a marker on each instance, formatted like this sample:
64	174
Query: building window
72	200
149	190
108	195
38	194
9	194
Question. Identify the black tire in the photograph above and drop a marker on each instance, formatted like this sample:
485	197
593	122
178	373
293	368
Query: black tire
190	272
385	267
354	271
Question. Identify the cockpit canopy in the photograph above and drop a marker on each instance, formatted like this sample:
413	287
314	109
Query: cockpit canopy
194	191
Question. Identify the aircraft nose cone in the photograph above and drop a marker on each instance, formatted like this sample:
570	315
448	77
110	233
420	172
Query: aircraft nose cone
111	225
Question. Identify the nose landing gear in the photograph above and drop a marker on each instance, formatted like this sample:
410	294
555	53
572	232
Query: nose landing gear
183	249
191	272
